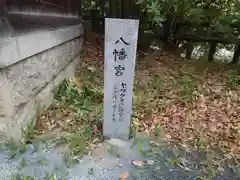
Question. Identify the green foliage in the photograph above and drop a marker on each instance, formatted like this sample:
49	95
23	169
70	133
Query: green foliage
22	164
187	87
51	176
88	5
220	14
77	143
202	178
157	130
21	177
154	10
85	100
29	132
233	80
82	101
14	148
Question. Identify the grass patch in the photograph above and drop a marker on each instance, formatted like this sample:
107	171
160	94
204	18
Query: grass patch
77	143
14	148
50	176
187	86
21	177
22	164
43	161
157	130
77	110
85	102
29	132
233	80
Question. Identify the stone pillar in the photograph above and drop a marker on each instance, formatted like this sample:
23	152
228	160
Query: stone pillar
212	50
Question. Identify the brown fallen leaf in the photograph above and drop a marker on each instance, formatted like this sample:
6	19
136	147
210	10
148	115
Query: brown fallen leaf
138	162
123	176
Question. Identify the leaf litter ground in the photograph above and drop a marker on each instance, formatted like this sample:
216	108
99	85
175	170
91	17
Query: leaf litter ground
193	104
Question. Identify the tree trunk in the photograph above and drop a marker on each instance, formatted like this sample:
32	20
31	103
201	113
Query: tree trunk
189	50
236	54
102	7
212	51
113	10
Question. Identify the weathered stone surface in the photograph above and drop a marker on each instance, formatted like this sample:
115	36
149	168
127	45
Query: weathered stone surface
26	87
5	95
45	97
14	49
119	65
28	77
12	126
2	113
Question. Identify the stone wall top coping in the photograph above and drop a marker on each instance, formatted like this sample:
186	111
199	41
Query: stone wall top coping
16	48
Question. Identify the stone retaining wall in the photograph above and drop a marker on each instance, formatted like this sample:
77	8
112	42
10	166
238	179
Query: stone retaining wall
31	66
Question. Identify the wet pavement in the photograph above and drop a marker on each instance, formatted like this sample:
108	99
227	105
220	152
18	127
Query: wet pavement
138	159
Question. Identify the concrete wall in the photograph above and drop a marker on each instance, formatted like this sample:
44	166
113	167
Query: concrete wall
31	66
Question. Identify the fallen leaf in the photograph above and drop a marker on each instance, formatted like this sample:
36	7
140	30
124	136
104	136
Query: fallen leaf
228	156
138	163
123	176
